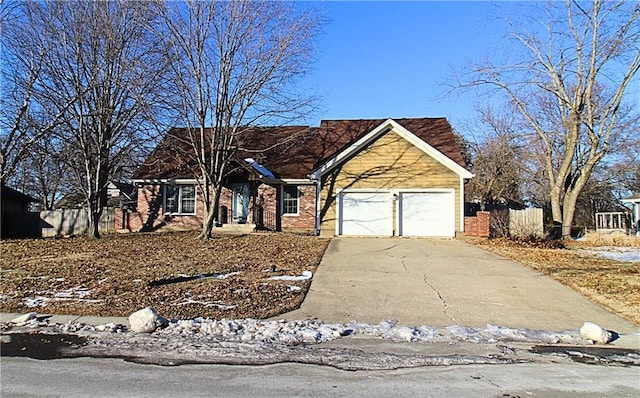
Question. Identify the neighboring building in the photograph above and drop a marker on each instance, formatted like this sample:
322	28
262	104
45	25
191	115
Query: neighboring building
402	177
635	202
119	194
17	220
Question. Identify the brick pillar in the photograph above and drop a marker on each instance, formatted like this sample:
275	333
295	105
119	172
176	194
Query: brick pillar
484	223
471	226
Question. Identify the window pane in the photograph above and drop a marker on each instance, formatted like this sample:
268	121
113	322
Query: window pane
170	199
188	199
290	199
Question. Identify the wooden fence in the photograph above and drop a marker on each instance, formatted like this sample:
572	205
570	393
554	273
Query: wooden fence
501	223
526	223
74	222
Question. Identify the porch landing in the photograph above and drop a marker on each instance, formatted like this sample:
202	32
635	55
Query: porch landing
236	228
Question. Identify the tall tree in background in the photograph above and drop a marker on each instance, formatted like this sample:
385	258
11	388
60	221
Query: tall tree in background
569	85
234	66
23	120
497	159
100	77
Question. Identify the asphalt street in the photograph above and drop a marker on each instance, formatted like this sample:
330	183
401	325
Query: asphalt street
86	377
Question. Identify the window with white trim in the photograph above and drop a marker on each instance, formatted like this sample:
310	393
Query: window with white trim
290	199
179	199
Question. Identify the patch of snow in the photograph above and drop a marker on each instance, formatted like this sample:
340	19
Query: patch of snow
295	332
217	304
304	276
293	288
225	276
627	254
206	276
492	334
37	301
260	168
74	292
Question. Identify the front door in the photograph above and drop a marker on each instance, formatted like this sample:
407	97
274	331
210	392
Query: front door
240	203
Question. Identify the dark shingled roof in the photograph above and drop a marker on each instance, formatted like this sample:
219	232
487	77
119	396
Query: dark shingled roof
11	194
295	151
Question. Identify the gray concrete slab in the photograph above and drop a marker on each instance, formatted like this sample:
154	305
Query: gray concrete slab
440	283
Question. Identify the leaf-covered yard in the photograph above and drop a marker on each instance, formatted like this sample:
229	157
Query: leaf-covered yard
612	284
232	276
228	276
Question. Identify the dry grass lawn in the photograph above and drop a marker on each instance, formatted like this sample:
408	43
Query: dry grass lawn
119	274
612	284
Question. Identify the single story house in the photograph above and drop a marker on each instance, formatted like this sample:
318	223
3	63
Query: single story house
374	177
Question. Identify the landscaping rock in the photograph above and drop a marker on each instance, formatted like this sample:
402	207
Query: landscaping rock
593	332
146	320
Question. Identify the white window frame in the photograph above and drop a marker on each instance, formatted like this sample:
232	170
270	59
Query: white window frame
180	199
297	213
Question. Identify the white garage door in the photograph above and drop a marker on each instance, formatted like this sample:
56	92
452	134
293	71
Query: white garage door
365	214
427	214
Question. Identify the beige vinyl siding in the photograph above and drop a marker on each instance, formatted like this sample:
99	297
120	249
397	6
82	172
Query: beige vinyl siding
390	162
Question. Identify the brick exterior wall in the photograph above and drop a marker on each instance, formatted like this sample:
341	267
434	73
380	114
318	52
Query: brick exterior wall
479	226
150	215
305	221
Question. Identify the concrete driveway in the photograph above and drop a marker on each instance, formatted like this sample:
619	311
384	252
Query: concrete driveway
441	283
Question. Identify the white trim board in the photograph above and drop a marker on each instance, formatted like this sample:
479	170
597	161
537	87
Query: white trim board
386	126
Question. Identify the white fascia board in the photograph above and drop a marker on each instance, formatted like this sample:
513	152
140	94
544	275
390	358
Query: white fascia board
164	181
387	125
630	200
297	181
289	181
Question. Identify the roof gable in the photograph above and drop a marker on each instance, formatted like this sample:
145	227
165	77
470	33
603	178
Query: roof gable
377	132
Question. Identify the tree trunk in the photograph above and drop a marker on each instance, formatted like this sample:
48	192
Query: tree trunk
210	217
568	209
95	223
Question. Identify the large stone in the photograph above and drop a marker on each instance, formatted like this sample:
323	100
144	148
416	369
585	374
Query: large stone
593	332
146	320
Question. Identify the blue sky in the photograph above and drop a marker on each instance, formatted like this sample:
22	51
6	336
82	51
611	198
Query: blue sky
389	59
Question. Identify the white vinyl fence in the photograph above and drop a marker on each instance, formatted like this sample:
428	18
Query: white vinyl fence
526	223
64	222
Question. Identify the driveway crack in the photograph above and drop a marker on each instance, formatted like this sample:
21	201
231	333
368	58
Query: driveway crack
404	265
445	306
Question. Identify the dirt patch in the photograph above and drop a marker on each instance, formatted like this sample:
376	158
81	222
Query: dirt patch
612	284
228	276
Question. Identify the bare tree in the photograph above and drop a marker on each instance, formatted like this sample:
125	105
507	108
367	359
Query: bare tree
568	85
234	67
102	72
497	159
22	119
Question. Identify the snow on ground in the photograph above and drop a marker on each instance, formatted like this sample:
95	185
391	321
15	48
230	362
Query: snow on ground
305	275
78	293
295	332
627	254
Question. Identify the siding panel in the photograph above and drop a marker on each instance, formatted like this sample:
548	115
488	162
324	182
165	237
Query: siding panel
390	162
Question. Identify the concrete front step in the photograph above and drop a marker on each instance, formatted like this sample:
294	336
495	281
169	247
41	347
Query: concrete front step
236	228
